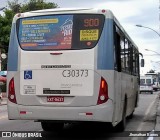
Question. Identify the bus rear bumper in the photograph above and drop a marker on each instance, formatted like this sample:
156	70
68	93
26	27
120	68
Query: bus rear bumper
100	113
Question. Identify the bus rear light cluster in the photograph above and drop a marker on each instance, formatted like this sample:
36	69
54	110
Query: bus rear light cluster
11	92
23	112
103	92
86	114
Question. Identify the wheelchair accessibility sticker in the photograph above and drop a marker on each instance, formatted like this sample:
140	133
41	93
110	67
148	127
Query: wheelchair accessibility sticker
28	74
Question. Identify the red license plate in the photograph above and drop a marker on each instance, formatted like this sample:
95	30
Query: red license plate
55	99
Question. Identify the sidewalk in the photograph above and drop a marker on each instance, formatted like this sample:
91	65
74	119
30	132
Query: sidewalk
157	127
4	101
4	98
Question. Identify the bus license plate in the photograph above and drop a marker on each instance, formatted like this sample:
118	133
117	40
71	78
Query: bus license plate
55	99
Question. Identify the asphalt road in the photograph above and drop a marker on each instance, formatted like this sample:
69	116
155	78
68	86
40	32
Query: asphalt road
143	120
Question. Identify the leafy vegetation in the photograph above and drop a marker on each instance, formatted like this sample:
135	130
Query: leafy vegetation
6	19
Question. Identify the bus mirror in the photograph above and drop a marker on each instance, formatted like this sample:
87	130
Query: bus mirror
142	62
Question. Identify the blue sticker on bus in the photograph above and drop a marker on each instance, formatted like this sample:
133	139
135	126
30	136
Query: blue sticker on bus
28	74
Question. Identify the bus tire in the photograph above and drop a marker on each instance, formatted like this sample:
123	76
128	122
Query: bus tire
131	115
122	125
151	92
50	126
136	102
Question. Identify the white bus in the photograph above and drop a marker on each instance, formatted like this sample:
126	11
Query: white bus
146	84
156	84
71	65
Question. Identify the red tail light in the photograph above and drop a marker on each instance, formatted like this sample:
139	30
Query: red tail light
11	92
103	92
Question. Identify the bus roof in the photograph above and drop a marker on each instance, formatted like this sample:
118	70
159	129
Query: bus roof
70	10
62	9
108	13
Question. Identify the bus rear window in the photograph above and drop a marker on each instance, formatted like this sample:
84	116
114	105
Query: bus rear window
142	81
60	32
148	81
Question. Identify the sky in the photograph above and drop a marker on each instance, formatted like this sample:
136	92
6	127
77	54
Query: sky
129	13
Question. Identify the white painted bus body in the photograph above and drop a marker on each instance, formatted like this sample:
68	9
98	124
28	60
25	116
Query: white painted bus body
155	77
146	84
81	102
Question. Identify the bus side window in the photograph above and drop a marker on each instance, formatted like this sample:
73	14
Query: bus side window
134	62
117	55
127	56
123	57
131	58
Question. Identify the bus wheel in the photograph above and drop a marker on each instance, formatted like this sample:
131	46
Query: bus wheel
130	116
50	126
121	126
151	92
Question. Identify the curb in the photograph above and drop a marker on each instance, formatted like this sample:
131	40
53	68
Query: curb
157	126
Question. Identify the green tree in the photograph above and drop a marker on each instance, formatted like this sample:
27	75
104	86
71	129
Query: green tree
6	19
14	6
37	5
32	5
5	27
